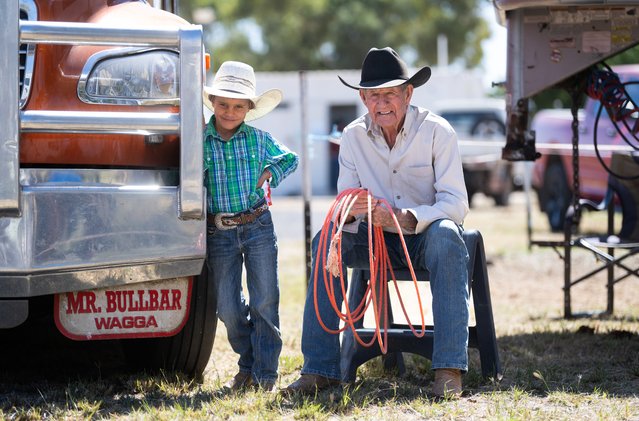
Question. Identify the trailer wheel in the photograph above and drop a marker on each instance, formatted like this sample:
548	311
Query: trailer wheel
555	195
189	351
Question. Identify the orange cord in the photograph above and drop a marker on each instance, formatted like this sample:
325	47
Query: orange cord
379	263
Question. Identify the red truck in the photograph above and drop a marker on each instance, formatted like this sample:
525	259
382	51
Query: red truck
552	176
101	196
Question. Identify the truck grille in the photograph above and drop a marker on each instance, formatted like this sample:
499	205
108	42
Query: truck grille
28	11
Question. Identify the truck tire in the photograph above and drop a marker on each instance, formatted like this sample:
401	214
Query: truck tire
502	197
189	351
488	127
470	182
555	195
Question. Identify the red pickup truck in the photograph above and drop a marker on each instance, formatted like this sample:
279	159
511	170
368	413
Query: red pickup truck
552	176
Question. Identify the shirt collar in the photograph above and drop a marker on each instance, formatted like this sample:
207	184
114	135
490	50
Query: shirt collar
211	131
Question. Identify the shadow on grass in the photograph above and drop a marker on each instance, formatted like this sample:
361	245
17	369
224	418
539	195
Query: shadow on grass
573	361
579	362
44	372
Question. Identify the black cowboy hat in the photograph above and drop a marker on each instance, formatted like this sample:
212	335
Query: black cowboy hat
383	68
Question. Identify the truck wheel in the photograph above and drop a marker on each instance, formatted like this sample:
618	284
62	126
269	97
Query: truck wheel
555	195
502	197
469	180
189	351
488	127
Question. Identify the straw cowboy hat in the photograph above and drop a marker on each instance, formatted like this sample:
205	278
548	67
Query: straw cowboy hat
237	80
383	68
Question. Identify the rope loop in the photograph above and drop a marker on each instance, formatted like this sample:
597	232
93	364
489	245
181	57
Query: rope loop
379	265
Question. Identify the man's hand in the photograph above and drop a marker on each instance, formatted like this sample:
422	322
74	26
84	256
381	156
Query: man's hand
360	207
380	215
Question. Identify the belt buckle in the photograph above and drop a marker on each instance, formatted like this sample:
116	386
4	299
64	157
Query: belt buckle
218	221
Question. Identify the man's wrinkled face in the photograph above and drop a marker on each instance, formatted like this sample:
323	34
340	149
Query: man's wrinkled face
387	106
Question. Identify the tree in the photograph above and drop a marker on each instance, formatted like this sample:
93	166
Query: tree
280	35
629	56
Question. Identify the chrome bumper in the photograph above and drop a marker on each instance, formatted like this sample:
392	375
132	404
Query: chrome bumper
85	229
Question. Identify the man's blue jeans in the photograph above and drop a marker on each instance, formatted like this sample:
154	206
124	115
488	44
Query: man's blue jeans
253	328
441	251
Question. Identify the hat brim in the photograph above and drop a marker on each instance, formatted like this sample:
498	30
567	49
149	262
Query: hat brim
263	104
417	80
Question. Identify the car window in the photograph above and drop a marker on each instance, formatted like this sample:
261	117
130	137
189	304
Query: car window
461	122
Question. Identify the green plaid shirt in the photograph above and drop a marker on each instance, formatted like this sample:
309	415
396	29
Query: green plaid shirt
232	168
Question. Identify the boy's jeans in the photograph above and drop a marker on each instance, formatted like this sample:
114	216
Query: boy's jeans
441	251
254	327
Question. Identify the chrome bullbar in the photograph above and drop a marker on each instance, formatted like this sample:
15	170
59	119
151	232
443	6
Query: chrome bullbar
64	229
85	229
188	123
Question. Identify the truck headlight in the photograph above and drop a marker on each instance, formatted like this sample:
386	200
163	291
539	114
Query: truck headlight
131	76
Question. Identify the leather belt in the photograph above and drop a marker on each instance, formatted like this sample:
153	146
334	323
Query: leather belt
227	221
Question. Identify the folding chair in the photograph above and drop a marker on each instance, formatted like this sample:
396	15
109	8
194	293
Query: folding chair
612	249
400	337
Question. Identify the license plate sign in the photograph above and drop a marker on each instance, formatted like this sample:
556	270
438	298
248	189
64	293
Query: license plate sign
149	309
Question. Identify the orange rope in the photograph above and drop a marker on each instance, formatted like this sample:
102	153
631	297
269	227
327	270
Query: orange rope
379	264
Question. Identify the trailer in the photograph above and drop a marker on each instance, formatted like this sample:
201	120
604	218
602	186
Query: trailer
564	44
550	42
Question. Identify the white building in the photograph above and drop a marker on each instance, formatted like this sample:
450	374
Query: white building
329	103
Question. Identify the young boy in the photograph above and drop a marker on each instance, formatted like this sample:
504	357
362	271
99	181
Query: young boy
238	159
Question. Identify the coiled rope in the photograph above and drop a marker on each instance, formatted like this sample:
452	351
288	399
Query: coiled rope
379	263
605	86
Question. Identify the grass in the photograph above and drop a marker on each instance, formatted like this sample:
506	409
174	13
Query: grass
553	368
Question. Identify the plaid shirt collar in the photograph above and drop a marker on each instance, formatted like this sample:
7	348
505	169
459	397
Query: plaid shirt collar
212	131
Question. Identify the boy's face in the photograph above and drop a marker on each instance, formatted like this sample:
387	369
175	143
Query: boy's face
229	114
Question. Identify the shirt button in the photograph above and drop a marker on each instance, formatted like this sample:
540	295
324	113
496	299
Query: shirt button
394	171
399	197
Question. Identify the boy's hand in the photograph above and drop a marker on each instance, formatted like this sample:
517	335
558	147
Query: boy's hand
266	175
